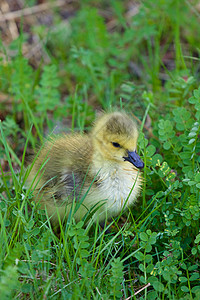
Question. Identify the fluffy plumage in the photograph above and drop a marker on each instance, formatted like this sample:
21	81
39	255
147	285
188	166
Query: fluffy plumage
102	166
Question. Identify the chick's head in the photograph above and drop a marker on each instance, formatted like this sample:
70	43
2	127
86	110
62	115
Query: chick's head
115	139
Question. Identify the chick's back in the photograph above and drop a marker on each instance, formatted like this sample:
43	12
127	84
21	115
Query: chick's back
60	167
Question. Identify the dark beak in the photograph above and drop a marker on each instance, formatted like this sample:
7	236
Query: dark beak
135	159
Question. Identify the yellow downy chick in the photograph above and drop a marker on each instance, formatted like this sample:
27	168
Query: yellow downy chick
102	166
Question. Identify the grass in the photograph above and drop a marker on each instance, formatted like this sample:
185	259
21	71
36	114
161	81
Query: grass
105	56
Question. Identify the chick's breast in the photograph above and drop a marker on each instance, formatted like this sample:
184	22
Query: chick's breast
115	189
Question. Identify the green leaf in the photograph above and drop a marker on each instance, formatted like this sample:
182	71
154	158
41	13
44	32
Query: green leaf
167	275
84	253
150	268
144	237
196	94
139	255
151	150
192	134
148	231
190	183
197	177
193	267
84	244
152	239
141	267
158	286
79	224
156	159
197	240
194	276
191	141
195	129
166	145
142	279
152	295
183	279
35	231
148	258
185	289
152	279
148	248
196	289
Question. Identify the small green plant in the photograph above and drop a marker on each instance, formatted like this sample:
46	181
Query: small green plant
116	278
47	94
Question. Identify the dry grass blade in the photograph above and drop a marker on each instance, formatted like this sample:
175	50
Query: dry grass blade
31	10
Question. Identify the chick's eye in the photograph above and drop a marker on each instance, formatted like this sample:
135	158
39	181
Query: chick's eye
116	145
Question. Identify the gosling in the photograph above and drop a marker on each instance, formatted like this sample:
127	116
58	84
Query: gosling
98	172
